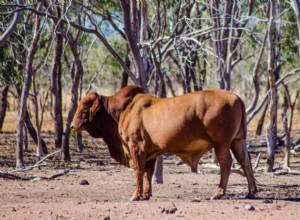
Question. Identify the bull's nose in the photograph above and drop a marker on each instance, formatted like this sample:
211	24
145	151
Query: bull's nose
72	127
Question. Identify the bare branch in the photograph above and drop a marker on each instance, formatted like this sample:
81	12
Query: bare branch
257	109
4	37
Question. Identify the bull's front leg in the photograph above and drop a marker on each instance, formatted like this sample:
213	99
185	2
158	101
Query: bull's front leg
139	159
149	170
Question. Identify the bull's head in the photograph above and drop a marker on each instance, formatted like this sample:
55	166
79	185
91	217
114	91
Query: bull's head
86	110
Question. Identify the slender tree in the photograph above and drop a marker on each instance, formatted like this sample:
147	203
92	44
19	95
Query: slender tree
76	73
272	111
26	88
56	75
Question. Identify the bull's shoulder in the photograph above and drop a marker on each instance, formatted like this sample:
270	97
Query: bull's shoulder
132	115
143	101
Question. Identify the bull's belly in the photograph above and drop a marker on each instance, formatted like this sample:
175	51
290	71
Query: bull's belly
181	147
190	152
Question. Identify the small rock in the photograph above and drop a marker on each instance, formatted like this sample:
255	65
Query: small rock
268	201
196	200
84	182
14	209
180	162
107	218
171	210
36	179
78	167
249	207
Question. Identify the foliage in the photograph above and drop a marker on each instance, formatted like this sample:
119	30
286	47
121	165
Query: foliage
7	68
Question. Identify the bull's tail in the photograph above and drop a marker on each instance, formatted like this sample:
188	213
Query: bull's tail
247	159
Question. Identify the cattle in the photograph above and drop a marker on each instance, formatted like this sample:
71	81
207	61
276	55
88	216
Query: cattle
187	126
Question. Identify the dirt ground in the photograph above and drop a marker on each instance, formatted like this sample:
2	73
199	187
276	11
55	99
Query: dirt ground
184	195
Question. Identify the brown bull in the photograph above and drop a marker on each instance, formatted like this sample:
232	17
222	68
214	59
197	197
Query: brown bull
187	126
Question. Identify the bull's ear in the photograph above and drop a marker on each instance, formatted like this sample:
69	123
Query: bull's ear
95	107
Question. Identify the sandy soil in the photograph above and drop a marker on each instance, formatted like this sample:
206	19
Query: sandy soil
184	195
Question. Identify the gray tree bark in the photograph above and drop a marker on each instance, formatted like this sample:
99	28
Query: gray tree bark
3	104
56	87
272	111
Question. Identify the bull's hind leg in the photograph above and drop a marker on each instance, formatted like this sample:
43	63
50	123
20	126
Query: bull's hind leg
149	170
240	152
225	160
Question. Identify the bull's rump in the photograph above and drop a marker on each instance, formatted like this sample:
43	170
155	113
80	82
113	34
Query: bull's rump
190	123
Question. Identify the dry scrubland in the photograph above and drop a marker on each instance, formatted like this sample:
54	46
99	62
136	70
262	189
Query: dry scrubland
183	195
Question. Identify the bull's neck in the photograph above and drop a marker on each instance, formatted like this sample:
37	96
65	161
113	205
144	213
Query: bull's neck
112	108
108	126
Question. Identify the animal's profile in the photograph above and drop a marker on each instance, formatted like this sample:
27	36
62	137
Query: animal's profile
187	126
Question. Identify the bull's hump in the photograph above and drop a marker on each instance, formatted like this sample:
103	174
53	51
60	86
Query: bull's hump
144	100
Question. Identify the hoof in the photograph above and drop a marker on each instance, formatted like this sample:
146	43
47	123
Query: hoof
250	196
218	195
136	198
146	197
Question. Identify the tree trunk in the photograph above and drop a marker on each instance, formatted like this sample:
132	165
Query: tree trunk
255	76
296	7
124	80
272	112
37	119
57	91
3	104
287	134
31	128
79	142
33	133
158	171
25	138
76	72
215	15
129	9
25	90
261	120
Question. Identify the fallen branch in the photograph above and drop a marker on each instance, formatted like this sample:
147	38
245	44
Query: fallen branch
26	178
297	148
287	170
295	153
216	167
279	142
37	164
48	155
